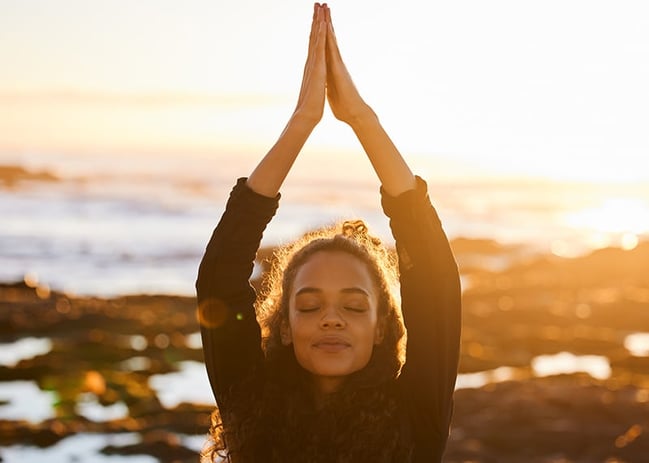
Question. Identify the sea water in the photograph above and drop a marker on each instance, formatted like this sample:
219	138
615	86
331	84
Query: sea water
139	224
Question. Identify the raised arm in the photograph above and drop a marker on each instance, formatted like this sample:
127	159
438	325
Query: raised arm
270	173
348	106
231	335
430	284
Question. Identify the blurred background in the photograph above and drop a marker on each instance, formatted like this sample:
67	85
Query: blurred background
123	126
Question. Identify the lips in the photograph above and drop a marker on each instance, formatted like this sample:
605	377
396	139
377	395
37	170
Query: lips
331	344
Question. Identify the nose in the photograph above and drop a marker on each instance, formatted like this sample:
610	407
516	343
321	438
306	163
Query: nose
331	318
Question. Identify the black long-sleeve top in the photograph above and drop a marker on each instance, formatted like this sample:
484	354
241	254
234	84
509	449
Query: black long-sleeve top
430	302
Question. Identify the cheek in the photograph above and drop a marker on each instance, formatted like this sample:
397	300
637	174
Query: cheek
299	327
368	333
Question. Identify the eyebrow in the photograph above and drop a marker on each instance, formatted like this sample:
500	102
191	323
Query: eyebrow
352	290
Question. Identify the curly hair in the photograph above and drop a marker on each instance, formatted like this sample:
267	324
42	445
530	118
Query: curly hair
360	421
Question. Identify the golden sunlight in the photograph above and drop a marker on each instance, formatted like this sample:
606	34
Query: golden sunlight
625	217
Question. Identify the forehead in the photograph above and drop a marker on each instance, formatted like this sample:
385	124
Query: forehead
333	270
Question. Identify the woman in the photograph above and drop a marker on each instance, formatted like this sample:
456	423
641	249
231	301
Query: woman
328	382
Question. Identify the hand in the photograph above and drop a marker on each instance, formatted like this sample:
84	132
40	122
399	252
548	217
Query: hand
310	104
344	100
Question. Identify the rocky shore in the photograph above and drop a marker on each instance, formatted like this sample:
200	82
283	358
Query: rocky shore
11	175
109	349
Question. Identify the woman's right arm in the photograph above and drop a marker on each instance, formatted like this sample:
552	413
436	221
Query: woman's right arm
226	300
268	176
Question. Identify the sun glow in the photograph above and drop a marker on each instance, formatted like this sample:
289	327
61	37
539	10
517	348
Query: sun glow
626	218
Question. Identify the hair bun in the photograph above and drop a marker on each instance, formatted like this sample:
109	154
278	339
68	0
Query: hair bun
354	228
357	230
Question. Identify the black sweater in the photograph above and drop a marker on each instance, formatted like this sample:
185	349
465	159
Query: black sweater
430	302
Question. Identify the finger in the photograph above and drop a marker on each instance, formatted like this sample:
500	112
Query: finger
316	63
332	43
327	13
317	12
321	41
318	59
314	23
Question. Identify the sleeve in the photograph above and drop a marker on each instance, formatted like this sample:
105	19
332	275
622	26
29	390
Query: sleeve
431	306
229	329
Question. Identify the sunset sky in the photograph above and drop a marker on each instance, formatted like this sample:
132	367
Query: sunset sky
554	89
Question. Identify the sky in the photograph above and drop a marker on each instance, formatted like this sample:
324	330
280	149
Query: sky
554	89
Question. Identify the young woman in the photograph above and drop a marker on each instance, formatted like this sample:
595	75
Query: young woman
321	376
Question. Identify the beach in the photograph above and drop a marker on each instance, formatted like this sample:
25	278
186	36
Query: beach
554	366
100	351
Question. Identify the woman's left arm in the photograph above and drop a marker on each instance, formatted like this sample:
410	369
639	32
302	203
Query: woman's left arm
430	284
431	305
348	106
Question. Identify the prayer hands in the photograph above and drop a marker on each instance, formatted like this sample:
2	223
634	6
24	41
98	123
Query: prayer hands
326	73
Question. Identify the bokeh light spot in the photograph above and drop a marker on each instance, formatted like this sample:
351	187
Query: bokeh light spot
637	344
629	241
138	342
31	279
194	341
43	291
506	303
63	305
561	248
642	396
212	313
94	382
632	434
161	341
583	311
596	366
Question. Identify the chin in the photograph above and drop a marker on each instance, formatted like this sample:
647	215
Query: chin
330	371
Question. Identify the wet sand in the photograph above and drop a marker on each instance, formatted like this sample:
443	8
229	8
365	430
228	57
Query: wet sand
544	306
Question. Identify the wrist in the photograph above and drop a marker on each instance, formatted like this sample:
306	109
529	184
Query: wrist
302	122
363	119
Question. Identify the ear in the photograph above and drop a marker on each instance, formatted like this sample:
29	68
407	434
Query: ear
285	333
379	332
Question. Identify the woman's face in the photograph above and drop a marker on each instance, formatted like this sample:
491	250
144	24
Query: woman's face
333	321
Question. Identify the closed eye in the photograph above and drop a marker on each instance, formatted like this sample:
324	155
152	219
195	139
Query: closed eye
307	309
356	309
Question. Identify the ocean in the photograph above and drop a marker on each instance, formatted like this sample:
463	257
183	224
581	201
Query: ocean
110	224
